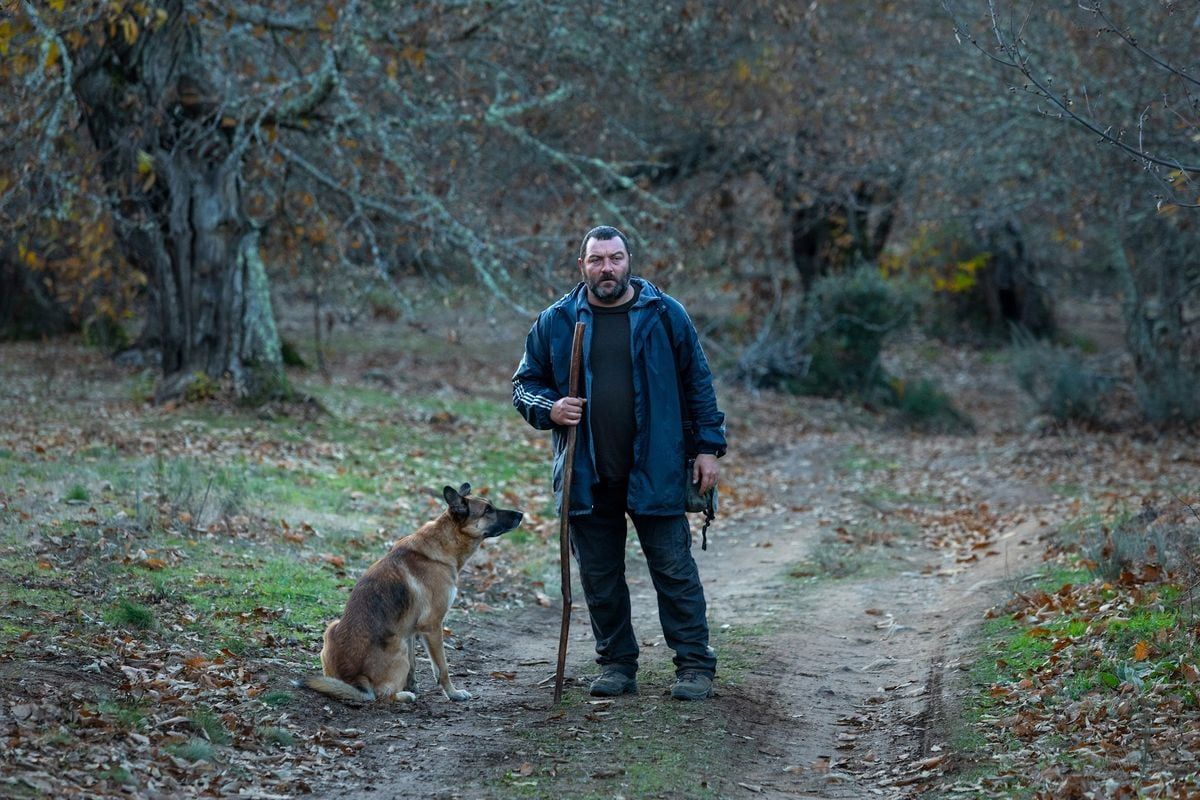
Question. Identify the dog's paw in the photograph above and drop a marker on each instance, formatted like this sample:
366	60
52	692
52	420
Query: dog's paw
458	694
404	697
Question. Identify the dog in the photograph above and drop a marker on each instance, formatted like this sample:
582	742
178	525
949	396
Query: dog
368	653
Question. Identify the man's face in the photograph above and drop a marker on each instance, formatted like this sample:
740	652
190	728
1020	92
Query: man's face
605	267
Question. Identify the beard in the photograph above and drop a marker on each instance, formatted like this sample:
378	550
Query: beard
609	291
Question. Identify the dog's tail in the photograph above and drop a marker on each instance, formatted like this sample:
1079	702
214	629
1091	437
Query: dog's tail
336	688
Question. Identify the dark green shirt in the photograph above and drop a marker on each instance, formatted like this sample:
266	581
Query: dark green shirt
610	407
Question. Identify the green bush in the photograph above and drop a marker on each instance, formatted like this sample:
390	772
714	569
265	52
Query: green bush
1058	380
291	355
848	317
1170	393
831	344
104	332
922	405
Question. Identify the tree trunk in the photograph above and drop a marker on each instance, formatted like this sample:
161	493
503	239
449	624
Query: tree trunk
832	234
1166	382
173	167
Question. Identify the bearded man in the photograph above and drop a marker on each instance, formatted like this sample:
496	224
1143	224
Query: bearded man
648	405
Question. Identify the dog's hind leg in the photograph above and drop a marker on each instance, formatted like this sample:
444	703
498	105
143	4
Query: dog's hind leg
397	672
437	656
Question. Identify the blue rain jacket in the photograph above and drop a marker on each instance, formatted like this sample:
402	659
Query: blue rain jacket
657	478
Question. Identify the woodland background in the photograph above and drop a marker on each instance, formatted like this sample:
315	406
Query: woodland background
169	164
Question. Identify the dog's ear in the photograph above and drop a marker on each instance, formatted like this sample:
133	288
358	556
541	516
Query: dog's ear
458	505
465	489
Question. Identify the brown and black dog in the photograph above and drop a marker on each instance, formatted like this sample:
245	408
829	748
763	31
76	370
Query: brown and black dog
368	653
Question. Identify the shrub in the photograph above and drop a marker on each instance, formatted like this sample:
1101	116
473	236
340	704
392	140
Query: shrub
291	355
1058	381
200	388
1169	393
848	318
830	345
105	332
923	406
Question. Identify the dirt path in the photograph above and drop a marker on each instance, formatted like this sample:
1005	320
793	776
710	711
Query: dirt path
835	686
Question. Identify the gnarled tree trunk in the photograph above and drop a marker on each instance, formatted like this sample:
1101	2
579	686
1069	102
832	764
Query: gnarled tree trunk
835	233
173	164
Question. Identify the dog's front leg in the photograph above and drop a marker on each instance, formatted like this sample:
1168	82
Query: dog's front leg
410	683
437	656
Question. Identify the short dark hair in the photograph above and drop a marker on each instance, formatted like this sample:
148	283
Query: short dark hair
604	233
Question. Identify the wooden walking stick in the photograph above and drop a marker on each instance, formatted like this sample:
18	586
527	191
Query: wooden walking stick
564	530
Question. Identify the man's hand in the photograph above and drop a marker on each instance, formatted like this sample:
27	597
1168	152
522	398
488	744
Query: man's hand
705	471
567	411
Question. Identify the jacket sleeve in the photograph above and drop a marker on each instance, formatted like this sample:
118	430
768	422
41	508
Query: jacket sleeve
697	381
534	387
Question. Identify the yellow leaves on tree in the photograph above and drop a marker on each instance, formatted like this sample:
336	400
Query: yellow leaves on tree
414	56
941	257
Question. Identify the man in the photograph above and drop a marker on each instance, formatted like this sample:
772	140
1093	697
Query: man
640	350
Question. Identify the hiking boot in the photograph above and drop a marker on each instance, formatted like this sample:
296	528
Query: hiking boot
613	682
692	685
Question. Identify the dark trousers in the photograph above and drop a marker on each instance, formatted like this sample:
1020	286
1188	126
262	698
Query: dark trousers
598	541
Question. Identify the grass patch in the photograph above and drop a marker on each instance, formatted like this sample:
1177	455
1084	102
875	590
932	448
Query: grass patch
129	614
275	735
118	774
284	595
737	650
126	716
854	550
78	493
858	459
277	699
193	749
213	727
